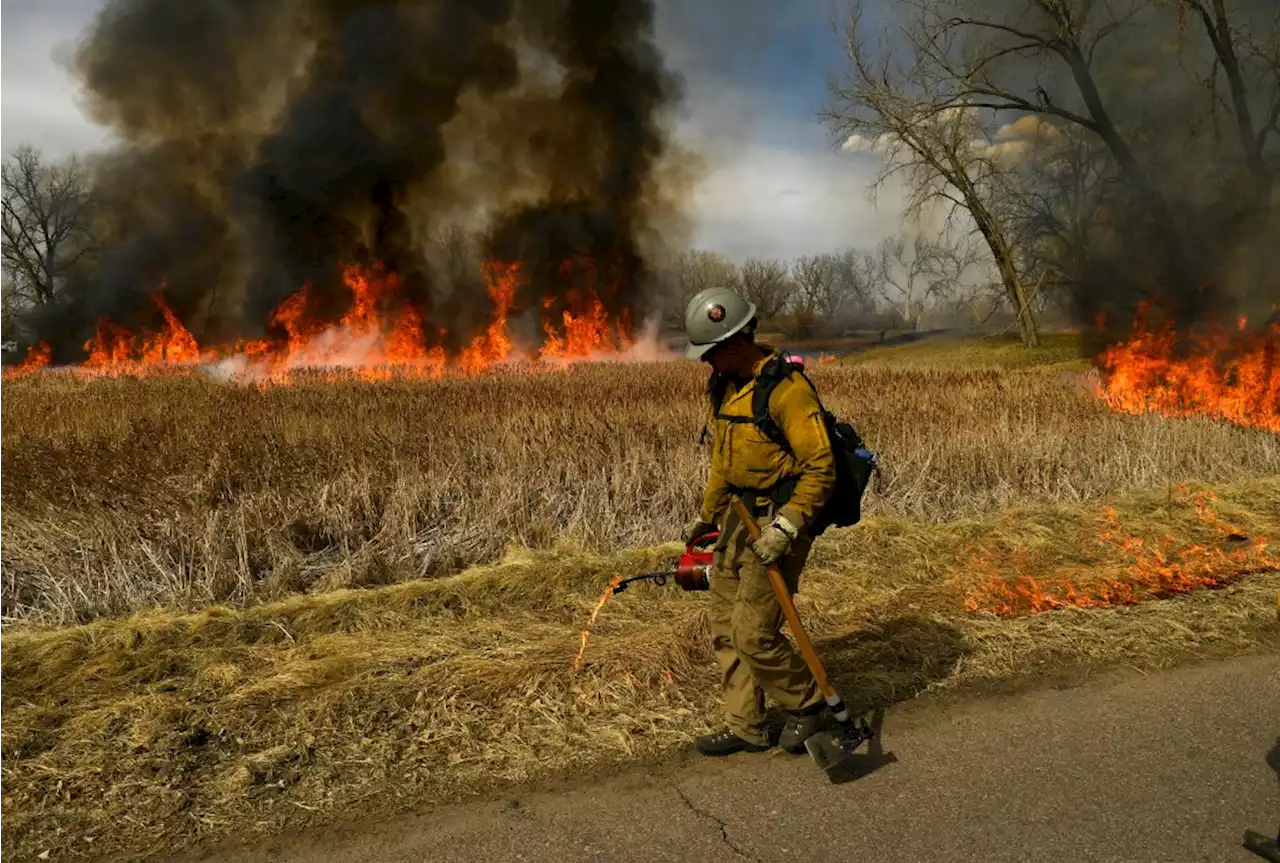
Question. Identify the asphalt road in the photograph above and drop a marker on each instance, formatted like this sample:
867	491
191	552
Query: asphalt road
1165	767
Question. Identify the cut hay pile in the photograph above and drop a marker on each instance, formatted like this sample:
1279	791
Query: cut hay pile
152	730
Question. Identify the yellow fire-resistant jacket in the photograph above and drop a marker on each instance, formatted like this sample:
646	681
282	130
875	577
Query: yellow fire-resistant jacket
743	458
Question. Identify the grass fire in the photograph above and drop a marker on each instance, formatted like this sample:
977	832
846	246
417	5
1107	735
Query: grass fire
1228	374
252	565
378	337
351	420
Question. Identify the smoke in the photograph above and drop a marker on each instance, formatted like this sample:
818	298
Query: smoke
268	145
1188	225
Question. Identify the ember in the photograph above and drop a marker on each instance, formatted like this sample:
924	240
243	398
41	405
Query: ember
1157	572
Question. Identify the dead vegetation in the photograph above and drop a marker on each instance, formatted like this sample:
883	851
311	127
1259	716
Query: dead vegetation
186	656
127	494
153	729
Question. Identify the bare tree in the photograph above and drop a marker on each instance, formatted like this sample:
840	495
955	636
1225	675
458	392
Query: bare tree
698	270
1062	211
45	223
767	284
981	51
831	286
815	281
948	155
1226	39
13	309
910	274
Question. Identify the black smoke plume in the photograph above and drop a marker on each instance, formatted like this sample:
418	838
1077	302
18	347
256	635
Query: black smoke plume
266	145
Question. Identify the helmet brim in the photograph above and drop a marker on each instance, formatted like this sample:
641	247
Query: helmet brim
698	351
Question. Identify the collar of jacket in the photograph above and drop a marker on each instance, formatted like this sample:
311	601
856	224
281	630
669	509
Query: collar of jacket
769	351
745	387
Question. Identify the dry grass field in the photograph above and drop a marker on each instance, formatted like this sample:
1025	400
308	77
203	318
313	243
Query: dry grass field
123	494
235	610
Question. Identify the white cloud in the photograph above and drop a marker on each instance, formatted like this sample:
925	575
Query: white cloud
859	144
772	187
1015	141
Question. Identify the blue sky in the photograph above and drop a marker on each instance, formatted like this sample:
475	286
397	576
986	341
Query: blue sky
755	74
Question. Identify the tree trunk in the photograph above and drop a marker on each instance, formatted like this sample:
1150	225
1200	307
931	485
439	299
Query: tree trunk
1026	318
1219	30
1000	251
1152	199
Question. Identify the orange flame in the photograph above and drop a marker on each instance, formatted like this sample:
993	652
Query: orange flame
115	350
493	345
1233	376
583	328
1157	572
591	621
379	336
39	356
584	334
174	344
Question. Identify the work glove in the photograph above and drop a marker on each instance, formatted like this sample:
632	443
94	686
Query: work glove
775	540
696	530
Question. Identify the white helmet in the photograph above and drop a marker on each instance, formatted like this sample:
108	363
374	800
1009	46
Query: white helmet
713	316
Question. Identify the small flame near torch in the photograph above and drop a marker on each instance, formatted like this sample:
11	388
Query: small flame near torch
591	621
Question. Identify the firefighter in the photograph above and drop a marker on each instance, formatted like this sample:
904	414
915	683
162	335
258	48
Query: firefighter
785	491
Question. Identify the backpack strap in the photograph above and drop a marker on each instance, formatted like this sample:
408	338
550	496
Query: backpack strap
774	372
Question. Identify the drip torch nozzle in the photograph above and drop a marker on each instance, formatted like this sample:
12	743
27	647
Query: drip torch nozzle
658	578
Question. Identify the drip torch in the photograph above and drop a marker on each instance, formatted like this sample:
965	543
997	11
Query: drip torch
692	571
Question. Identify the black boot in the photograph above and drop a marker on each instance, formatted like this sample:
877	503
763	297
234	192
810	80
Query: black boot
725	742
800	727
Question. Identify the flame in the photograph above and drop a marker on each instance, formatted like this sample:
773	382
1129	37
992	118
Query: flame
172	345
586	332
493	345
379	336
583	328
115	350
591	621
1230	375
39	356
110	349
1157	572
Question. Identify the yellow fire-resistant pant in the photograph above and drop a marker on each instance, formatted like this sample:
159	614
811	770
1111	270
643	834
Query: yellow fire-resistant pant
755	658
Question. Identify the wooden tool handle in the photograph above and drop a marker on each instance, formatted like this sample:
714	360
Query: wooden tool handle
788	607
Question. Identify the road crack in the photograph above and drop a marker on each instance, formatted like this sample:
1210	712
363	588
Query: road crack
724	830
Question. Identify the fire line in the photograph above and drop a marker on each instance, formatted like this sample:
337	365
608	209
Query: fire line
376	339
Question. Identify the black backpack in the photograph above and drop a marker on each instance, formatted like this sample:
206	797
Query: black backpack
854	462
